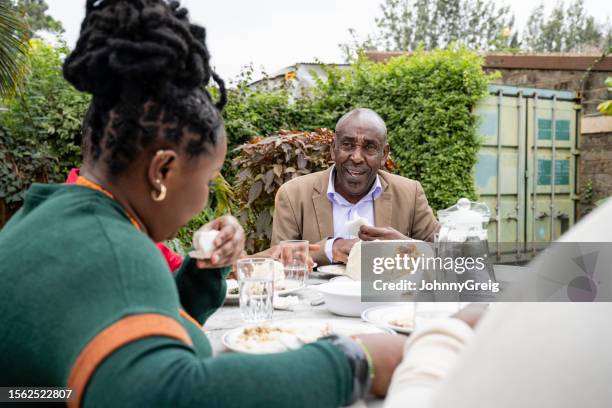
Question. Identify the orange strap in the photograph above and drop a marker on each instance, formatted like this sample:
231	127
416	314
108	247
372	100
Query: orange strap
82	181
115	336
187	316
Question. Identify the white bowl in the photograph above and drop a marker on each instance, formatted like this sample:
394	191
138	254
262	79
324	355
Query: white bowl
343	297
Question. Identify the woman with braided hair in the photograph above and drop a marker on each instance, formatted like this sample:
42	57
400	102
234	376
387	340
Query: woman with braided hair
109	321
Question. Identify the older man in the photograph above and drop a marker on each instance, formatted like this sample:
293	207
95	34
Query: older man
317	206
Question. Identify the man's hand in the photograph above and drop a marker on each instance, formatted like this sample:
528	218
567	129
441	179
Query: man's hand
229	244
369	233
277	254
341	249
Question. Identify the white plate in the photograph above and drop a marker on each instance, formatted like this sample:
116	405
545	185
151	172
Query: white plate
307	330
335	269
232	298
384	316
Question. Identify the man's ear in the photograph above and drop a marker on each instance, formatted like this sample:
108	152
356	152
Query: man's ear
332	149
163	163
385	155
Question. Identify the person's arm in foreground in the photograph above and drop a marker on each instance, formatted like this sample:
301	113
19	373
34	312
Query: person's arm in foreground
159	371
201	283
429	354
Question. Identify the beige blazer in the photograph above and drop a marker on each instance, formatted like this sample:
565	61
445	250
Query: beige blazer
303	211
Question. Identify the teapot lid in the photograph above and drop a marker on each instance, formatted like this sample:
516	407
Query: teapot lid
465	214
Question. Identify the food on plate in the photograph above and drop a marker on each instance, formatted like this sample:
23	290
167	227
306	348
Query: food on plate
255	335
404	323
280	283
261	334
275	336
203	244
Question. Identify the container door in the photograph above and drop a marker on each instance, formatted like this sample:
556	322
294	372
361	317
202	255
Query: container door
500	170
551	164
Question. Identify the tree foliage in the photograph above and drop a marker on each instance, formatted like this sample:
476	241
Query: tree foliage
34	14
405	25
606	106
13	49
42	122
567	29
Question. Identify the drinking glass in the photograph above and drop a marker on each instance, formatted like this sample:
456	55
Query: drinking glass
256	280
294	256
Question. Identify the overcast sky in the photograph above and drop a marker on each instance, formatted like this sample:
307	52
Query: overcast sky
272	34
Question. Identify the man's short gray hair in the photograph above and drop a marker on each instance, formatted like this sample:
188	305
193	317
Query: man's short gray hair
365	114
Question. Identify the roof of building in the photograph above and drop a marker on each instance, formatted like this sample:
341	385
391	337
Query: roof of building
281	72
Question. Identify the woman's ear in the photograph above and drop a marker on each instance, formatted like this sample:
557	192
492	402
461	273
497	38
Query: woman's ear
162	165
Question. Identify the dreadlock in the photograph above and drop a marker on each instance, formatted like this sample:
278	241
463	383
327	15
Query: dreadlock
146	67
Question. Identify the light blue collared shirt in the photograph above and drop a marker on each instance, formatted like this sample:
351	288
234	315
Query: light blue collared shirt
343	211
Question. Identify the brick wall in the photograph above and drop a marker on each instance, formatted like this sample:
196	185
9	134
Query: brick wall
593	90
595	169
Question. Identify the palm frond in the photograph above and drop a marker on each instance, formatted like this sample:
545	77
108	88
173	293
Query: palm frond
13	48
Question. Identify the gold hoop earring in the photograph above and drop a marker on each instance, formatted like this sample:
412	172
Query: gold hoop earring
162	194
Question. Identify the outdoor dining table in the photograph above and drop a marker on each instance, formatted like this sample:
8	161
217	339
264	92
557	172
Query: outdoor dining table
228	317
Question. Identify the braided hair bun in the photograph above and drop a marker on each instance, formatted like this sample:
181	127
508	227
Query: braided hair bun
144	61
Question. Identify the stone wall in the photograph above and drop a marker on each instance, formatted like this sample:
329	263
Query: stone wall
595	169
593	90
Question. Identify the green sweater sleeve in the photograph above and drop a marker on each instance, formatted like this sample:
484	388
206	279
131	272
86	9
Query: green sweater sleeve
201	291
162	372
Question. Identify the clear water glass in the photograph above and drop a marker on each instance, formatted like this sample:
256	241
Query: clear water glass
294	256
256	281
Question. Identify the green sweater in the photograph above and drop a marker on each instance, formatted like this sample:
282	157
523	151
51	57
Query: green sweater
71	264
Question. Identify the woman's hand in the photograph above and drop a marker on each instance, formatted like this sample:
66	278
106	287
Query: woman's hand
387	352
229	244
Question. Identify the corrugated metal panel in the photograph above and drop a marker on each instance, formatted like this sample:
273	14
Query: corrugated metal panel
515	171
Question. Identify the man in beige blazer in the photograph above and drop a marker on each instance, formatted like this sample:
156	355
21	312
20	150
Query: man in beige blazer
316	207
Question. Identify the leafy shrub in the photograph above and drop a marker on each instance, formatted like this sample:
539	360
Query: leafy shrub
20	165
43	120
267	163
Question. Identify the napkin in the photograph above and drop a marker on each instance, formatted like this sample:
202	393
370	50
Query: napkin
203	244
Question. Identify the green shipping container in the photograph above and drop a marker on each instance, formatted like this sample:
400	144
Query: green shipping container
527	167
